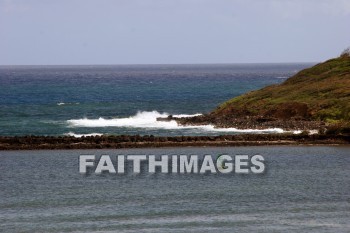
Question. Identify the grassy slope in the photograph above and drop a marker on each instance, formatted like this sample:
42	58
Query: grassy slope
324	88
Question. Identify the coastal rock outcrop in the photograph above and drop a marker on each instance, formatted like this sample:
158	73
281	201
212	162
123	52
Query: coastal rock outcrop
314	98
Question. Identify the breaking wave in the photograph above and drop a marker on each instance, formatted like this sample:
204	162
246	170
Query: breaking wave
63	103
149	120
81	135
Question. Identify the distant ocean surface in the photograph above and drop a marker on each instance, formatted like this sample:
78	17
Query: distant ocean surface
305	189
124	99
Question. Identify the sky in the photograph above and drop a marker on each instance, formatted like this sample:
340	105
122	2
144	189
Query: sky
76	32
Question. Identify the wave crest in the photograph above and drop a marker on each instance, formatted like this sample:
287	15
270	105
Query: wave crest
140	120
81	135
63	103
149	120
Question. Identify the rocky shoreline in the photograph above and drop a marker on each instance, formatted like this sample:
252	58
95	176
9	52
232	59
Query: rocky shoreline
151	141
248	122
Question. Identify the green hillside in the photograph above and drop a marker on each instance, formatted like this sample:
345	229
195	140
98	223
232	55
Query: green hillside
321	92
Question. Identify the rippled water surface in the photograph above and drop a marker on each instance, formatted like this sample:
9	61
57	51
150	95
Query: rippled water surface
304	189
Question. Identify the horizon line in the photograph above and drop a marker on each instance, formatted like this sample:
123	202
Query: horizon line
159	64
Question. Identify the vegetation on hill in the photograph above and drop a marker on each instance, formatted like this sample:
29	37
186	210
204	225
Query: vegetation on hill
321	92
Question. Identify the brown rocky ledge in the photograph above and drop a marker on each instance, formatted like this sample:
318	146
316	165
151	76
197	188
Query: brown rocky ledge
150	141
249	122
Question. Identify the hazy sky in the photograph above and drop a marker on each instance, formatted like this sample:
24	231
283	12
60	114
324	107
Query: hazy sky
171	31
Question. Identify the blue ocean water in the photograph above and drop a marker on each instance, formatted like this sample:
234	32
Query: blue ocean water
123	99
305	189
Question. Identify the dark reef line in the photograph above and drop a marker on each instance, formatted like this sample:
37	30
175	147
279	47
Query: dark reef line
150	141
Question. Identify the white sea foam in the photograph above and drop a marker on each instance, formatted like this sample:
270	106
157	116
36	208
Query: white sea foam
186	115
81	135
313	131
140	120
297	131
63	103
310	132
149	120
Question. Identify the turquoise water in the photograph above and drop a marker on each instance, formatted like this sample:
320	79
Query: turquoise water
304	189
59	100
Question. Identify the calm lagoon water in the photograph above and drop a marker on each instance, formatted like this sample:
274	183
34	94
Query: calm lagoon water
304	189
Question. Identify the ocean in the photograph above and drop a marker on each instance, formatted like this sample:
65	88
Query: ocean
304	189
125	99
